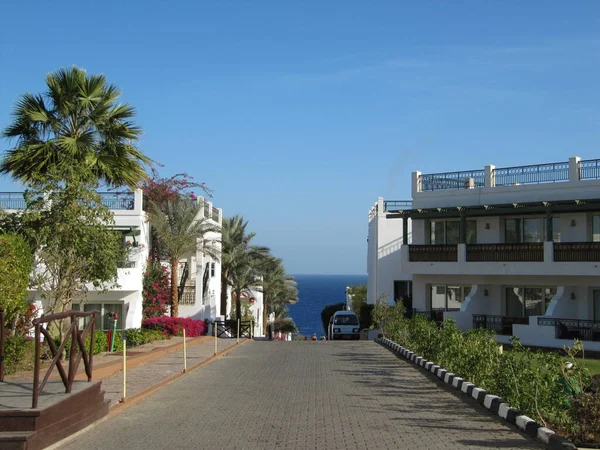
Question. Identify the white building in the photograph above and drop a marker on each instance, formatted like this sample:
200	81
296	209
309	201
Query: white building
514	249
200	287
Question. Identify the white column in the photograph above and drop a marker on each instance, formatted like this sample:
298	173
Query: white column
548	252
489	175
574	168
416	183
380	211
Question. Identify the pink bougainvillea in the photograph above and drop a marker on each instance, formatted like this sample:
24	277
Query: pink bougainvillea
173	326
157	290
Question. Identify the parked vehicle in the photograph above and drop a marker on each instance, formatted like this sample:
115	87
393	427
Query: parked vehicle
343	325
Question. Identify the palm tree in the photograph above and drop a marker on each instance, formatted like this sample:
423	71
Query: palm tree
278	289
239	261
75	129
181	231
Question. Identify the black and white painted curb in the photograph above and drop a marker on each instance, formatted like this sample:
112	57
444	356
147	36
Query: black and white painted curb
491	402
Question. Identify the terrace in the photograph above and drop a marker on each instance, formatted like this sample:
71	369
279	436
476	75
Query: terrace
573	170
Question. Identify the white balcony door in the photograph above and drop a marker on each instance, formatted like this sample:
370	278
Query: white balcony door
597	306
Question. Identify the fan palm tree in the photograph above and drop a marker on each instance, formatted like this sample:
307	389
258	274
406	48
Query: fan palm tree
181	231
239	260
75	129
277	287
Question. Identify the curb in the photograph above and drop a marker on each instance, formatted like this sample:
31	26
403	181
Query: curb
492	402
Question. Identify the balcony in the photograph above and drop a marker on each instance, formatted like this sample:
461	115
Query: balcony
533	251
585	330
432	253
576	251
502	325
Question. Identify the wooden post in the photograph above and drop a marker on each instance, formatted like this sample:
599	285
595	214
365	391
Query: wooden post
215	330
36	367
184	353
124	399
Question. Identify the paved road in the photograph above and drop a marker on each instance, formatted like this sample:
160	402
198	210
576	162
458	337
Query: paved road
305	395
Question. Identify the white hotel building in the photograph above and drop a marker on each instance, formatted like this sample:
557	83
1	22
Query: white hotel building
515	250
199	275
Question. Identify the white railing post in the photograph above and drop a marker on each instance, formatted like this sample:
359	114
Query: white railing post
417	185
574	168
489	175
124	399
184	353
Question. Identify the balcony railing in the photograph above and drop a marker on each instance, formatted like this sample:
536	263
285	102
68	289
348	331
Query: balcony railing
502	325
453	180
12	200
427	253
113	200
576	251
589	169
396	205
188	297
118	200
585	330
531	251
434	314
536	174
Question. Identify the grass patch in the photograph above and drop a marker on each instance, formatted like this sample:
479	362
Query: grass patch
593	365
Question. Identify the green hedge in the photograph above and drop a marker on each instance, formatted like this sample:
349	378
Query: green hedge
140	336
14	276
534	382
19	354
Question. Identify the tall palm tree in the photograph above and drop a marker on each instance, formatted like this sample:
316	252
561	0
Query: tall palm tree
237	258
182	232
277	287
76	128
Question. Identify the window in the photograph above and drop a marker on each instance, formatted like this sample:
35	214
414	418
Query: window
529	230
212	270
448	297
448	232
528	301
345	319
102	321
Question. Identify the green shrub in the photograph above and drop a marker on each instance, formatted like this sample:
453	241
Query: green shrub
19	354
14	276
141	336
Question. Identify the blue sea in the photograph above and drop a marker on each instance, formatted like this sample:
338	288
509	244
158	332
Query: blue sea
315	292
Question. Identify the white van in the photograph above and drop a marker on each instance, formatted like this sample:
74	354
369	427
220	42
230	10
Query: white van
344	325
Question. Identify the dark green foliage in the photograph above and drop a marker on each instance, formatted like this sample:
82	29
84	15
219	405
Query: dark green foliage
14	276
365	315
19	354
329	311
141	336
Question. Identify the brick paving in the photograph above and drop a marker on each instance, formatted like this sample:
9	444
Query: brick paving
141	377
305	395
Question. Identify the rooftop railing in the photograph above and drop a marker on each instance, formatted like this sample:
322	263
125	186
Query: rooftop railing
589	169
121	201
535	174
572	170
468	179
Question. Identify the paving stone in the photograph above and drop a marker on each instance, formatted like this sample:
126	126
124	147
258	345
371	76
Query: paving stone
305	395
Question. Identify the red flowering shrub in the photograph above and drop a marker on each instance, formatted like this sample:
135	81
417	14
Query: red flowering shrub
173	326
157	290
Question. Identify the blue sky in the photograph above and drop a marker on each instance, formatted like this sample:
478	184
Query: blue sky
300	114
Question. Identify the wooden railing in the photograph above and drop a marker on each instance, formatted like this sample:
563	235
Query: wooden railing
577	251
502	325
420	253
530	251
77	343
